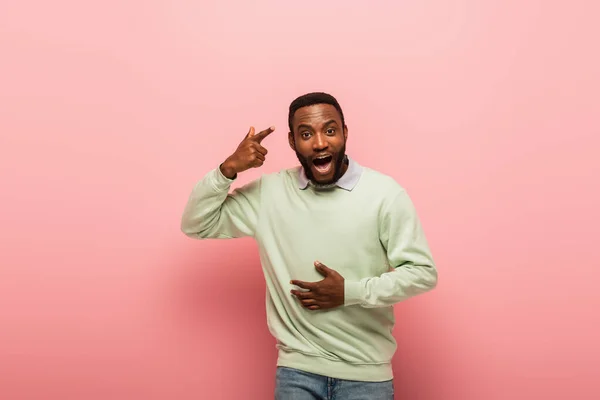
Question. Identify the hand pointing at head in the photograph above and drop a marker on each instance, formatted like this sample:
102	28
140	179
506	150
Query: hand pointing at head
249	154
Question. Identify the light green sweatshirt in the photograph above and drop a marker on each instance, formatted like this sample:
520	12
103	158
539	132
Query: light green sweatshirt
367	231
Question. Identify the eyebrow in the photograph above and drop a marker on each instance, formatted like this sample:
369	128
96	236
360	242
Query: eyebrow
331	121
304	126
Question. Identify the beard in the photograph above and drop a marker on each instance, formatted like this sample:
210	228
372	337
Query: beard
339	157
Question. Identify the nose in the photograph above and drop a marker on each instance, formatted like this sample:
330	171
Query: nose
319	142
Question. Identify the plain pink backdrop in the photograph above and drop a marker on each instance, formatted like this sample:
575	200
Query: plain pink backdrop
486	111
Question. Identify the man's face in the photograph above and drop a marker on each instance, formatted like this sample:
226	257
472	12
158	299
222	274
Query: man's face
319	140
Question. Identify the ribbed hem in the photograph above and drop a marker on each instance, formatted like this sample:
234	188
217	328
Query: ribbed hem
335	369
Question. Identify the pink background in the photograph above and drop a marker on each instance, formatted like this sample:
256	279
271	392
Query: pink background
486	111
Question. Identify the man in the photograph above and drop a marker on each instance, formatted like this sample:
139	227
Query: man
339	245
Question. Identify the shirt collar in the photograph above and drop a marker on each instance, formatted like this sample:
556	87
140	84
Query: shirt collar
347	182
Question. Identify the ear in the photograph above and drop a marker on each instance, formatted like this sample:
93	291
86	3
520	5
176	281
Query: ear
345	132
292	141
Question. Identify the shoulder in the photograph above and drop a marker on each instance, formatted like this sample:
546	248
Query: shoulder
392	197
382	183
282	177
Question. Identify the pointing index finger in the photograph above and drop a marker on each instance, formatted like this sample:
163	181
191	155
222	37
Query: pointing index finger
263	134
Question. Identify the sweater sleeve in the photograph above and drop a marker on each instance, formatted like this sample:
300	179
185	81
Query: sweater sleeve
413	271
213	213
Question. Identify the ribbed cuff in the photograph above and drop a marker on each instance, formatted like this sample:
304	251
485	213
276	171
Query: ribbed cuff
220	181
352	293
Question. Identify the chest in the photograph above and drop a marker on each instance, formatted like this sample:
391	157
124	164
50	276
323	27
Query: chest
341	231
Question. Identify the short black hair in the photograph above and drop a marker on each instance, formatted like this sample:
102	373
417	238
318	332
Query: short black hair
311	99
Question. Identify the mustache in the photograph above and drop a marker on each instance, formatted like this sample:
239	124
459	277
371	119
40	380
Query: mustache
338	158
321	155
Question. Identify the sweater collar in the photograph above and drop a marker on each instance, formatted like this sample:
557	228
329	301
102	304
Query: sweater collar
347	182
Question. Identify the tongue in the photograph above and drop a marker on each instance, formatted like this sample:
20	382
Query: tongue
323	168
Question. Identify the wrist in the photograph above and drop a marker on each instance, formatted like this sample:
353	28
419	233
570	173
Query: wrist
228	171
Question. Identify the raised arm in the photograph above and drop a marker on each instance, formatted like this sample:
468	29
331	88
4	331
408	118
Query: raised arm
213	212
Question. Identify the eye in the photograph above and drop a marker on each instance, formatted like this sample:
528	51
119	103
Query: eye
305	134
331	131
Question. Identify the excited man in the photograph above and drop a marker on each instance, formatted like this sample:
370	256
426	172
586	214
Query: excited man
339	244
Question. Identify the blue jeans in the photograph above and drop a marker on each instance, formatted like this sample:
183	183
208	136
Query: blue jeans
293	384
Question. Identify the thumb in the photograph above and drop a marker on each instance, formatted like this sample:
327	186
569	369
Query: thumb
250	133
322	268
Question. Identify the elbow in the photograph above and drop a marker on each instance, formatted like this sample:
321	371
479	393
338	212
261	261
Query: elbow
430	279
188	232
200	227
190	229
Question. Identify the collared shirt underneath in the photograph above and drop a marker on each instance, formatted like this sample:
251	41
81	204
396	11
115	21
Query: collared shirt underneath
347	182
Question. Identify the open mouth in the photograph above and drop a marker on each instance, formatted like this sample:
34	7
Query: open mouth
323	164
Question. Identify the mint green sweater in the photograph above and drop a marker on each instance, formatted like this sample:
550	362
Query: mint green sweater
369	233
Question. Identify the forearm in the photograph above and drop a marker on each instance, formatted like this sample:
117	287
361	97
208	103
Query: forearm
402	283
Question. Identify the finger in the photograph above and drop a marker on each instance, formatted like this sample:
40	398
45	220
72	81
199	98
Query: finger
260	149
259	156
303	285
309	302
303	295
322	268
313	307
263	134
250	133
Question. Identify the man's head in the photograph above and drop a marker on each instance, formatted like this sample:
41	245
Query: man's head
318	135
